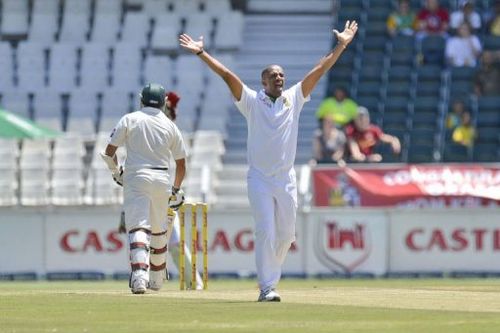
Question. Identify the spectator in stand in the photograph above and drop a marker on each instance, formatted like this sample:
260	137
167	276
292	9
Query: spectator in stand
362	137
339	107
464	49
465	134
487	79
466	14
454	118
402	21
493	20
329	143
432	20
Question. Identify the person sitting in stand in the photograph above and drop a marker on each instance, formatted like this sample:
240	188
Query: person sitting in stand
329	143
362	137
341	108
463	49
466	14
454	118
402	21
487	78
465	134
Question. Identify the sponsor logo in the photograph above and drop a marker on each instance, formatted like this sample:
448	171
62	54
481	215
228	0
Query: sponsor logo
342	245
75	241
241	241
455	240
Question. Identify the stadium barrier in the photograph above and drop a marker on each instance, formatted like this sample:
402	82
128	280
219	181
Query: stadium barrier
343	242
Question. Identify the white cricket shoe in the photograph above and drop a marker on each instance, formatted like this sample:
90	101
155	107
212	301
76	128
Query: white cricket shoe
138	282
269	295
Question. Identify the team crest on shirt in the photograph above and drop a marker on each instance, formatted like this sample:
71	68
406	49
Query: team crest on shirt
286	102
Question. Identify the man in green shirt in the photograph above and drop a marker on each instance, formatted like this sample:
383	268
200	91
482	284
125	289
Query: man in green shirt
339	107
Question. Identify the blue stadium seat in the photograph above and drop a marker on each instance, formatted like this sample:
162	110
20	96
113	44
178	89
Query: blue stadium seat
433	50
462	73
422	136
420	153
486	152
455	153
398	89
491	43
425	119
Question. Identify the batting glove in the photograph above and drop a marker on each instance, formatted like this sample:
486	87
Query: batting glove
176	199
118	176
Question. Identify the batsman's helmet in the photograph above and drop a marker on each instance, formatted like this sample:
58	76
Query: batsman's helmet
153	95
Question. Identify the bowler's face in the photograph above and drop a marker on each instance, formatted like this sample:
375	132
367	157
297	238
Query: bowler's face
274	81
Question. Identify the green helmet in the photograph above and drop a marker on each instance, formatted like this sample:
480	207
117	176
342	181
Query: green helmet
153	95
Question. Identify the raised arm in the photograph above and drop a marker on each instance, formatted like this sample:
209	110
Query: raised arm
196	47
344	38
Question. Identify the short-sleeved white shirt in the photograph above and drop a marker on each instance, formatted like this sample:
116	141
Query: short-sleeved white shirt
461	51
272	128
150	138
457	18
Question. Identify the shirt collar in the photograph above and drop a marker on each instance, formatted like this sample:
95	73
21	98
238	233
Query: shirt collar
267	100
151	110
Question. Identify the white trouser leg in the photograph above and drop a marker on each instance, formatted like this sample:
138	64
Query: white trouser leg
262	204
286	216
158	216
145	206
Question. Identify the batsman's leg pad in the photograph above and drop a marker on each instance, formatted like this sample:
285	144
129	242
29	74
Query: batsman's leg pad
139	241
158	260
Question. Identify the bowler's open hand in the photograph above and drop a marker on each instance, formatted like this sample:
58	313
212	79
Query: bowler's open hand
191	45
346	36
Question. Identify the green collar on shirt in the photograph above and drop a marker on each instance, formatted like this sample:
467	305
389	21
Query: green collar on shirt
272	98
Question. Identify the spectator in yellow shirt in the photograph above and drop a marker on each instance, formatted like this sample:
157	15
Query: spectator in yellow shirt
339	107
402	21
465	134
454	118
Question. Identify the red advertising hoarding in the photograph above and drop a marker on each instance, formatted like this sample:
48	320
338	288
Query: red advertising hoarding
408	186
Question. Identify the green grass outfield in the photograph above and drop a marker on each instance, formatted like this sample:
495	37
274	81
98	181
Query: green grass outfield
382	306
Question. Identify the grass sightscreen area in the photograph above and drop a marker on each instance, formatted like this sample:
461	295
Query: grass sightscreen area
381	306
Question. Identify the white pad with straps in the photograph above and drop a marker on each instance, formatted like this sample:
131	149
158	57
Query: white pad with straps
158	260
139	241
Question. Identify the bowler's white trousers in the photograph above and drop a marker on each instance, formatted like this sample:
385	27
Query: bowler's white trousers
273	200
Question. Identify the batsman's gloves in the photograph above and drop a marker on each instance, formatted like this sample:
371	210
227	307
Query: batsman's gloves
118	176
176	198
116	170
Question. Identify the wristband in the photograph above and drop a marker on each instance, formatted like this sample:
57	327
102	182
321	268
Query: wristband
175	190
200	52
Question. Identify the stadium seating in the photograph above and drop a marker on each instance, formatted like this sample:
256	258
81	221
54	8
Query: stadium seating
77	66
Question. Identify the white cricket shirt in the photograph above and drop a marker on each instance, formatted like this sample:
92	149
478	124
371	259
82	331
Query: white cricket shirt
272	128
149	137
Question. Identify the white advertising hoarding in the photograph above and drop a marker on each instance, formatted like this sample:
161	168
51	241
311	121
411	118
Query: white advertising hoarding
346	241
21	241
85	241
231	244
445	240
